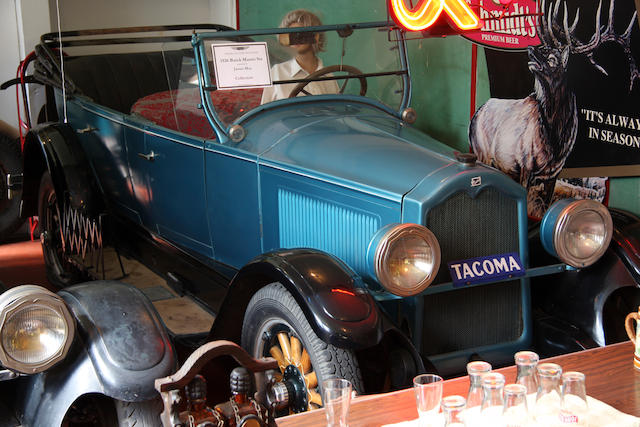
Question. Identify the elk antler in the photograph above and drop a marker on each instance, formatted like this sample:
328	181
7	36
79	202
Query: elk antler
602	34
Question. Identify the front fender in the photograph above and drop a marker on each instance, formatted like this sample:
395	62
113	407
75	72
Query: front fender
121	349
585	298
55	147
334	299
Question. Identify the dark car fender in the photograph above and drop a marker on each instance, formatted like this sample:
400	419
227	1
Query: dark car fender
120	349
334	299
596	299
54	147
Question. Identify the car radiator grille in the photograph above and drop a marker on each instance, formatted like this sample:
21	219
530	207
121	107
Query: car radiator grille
469	228
483	315
471	317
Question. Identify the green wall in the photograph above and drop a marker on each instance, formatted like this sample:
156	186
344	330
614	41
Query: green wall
440	69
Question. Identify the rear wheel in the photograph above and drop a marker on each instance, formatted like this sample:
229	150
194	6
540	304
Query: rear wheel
10	162
274	325
61	271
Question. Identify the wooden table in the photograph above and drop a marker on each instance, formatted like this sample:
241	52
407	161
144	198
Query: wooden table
610	374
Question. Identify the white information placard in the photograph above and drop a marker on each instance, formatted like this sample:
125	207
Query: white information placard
241	65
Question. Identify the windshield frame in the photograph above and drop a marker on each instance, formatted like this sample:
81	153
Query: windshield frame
198	43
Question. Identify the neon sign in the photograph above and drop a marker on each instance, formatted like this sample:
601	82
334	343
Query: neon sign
426	12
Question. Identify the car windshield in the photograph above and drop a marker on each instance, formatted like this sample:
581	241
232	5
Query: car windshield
201	81
261	69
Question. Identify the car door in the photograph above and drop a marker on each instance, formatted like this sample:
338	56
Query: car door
176	192
166	157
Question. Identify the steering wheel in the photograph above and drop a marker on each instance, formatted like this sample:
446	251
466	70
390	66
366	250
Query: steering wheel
332	69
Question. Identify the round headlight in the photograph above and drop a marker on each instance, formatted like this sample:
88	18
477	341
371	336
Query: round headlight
578	232
36	329
406	258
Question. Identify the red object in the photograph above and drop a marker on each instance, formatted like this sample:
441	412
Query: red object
426	13
343	291
507	25
178	109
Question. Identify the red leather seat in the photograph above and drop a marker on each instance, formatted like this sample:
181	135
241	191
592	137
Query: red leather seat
178	109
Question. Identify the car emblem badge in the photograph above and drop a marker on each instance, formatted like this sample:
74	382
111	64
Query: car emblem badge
476	181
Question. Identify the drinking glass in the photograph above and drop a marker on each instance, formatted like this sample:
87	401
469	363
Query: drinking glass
549	396
516	412
428	390
453	411
336	397
526	362
574	409
493	400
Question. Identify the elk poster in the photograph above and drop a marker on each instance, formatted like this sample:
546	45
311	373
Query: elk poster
568	107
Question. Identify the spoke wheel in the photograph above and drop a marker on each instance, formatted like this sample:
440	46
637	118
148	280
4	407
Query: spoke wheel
295	366
274	325
61	271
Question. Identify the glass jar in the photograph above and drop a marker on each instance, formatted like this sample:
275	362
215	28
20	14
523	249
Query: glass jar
574	409
453	411
548	397
516	412
474	398
526	363
493	399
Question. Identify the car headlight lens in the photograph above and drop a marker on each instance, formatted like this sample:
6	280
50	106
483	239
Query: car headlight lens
578	232
407	258
36	329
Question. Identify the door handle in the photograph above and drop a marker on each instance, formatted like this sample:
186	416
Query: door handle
150	157
88	129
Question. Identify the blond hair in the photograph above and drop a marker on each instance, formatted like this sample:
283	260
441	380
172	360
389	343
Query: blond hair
306	19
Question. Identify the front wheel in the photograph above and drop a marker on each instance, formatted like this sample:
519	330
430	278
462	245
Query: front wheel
274	325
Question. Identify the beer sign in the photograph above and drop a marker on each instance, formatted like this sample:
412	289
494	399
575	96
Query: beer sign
507	25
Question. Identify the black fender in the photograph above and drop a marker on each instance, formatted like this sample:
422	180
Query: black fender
596	299
121	347
334	299
55	147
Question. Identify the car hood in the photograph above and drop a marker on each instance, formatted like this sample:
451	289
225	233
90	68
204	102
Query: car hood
359	146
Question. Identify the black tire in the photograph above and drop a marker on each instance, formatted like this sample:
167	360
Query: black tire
10	162
273	309
139	414
60	270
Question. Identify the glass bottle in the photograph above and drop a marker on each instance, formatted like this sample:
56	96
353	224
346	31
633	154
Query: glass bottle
574	409
453	411
526	362
474	398
516	412
548	397
493	399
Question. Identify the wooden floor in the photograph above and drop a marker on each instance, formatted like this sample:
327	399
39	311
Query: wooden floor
22	263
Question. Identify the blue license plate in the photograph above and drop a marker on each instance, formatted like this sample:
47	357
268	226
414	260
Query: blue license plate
485	269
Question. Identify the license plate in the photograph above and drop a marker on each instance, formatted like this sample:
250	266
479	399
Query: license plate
485	269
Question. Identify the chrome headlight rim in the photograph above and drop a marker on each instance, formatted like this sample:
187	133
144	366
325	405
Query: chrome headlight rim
566	216
24	297
389	237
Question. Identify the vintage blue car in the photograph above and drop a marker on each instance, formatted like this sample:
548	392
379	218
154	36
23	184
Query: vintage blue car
322	228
